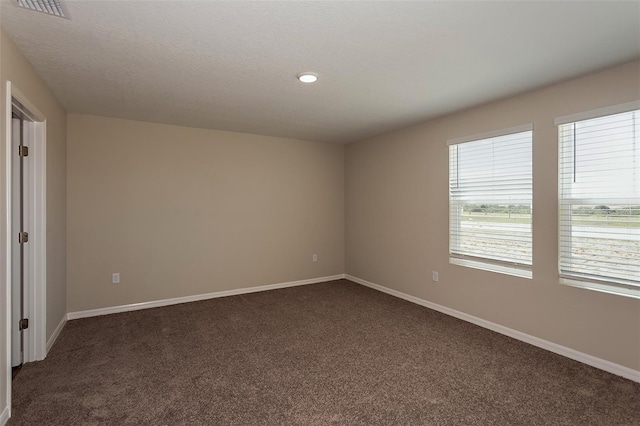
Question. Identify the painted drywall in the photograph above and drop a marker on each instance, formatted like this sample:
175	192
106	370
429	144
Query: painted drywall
397	222
180	211
15	68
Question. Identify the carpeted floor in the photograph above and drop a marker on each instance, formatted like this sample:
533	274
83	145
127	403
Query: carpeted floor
331	353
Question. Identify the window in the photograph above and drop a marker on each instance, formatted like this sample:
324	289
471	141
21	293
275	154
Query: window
490	201
599	200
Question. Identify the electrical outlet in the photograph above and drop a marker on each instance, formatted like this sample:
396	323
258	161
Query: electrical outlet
115	278
315	257
434	276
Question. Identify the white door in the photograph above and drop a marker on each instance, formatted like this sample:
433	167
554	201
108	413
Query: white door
19	233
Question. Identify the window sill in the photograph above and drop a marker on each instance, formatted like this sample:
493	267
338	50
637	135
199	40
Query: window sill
491	267
602	287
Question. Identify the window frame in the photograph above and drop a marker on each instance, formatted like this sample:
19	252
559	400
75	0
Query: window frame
590	283
487	263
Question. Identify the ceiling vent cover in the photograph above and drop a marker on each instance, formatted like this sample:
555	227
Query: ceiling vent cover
50	7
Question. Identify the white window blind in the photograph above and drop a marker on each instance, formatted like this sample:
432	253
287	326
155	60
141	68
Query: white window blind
599	191
490	201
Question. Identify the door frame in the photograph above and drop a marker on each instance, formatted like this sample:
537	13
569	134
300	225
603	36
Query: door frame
35	346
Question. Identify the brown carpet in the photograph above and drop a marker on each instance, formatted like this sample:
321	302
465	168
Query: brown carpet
331	353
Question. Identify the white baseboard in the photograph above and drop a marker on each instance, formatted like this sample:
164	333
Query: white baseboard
56	333
195	298
4	417
593	361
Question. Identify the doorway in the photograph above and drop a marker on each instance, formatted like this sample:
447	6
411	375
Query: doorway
25	244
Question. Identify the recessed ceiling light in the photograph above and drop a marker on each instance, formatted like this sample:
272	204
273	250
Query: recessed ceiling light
308	77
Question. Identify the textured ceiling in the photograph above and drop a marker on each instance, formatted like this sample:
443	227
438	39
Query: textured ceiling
382	65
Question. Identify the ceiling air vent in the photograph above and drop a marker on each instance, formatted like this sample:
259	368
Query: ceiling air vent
50	7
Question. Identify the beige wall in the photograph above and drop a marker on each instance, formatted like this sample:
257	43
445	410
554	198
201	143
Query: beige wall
180	211
397	222
15	68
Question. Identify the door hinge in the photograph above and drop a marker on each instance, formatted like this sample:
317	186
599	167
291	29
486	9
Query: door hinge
23	151
23	237
23	323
